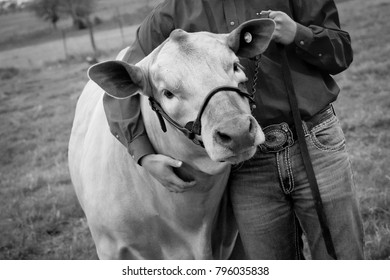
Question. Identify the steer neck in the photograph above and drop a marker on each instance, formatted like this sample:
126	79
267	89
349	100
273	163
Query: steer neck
196	212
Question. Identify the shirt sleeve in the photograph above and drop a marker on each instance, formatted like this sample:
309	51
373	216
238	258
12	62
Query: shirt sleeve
319	39
124	116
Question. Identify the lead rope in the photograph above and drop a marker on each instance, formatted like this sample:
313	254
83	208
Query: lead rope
306	155
256	74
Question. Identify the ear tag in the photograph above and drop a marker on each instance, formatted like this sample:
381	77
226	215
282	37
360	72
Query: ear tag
247	37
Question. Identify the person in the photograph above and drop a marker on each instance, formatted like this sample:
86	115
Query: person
270	193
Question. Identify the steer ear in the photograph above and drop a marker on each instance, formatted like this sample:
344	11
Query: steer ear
118	78
252	37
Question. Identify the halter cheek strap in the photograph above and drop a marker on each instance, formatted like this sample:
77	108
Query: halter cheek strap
193	128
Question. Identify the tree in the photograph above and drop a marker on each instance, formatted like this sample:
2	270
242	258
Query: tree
79	10
49	10
52	10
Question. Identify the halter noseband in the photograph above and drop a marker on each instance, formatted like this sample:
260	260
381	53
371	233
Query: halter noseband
193	128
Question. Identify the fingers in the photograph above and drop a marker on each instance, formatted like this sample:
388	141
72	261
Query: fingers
272	14
173	162
172	182
161	168
265	14
285	28
177	185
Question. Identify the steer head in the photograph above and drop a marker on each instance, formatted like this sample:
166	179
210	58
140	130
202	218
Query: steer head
180	74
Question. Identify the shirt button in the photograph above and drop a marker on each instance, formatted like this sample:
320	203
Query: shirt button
232	23
116	135
320	54
301	43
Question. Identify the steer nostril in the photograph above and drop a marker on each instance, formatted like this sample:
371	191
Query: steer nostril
224	137
250	125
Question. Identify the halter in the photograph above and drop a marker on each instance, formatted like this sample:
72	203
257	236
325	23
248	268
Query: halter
193	128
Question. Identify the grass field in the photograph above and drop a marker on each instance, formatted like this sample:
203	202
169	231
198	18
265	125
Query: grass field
39	214
363	108
24	28
29	42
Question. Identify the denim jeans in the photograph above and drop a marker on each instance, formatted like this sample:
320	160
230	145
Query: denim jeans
272	199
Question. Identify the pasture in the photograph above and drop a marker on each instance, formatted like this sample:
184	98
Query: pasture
40	217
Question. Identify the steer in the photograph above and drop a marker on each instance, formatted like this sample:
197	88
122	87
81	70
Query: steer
200	114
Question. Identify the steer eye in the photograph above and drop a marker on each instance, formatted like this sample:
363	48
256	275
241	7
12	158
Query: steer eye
168	94
238	67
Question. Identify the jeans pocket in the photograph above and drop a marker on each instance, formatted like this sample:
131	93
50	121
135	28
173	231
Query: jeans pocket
328	135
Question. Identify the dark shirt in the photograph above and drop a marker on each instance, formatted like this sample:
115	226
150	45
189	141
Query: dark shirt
319	50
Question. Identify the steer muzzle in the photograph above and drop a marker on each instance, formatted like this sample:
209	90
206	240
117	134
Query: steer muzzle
236	139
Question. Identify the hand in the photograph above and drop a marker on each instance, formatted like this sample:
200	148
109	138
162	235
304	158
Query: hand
161	168
285	28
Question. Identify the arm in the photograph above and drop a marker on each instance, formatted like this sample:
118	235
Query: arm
317	36
124	116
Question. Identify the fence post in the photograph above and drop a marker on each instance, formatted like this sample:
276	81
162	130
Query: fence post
64	44
90	28
120	25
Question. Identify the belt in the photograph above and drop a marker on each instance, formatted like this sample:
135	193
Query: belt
280	136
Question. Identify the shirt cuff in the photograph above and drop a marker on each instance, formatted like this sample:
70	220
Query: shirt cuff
304	37
140	147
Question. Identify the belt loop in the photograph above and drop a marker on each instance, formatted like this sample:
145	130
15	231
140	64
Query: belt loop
334	111
305	128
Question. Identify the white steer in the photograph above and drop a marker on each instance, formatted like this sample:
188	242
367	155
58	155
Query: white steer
195	82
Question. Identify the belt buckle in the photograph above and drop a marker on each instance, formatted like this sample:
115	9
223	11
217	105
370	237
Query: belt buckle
277	138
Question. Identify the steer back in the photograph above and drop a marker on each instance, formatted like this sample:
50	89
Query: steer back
130	214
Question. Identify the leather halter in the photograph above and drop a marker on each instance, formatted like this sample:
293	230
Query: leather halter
193	128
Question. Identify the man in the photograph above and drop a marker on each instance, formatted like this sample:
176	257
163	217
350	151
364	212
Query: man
270	193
